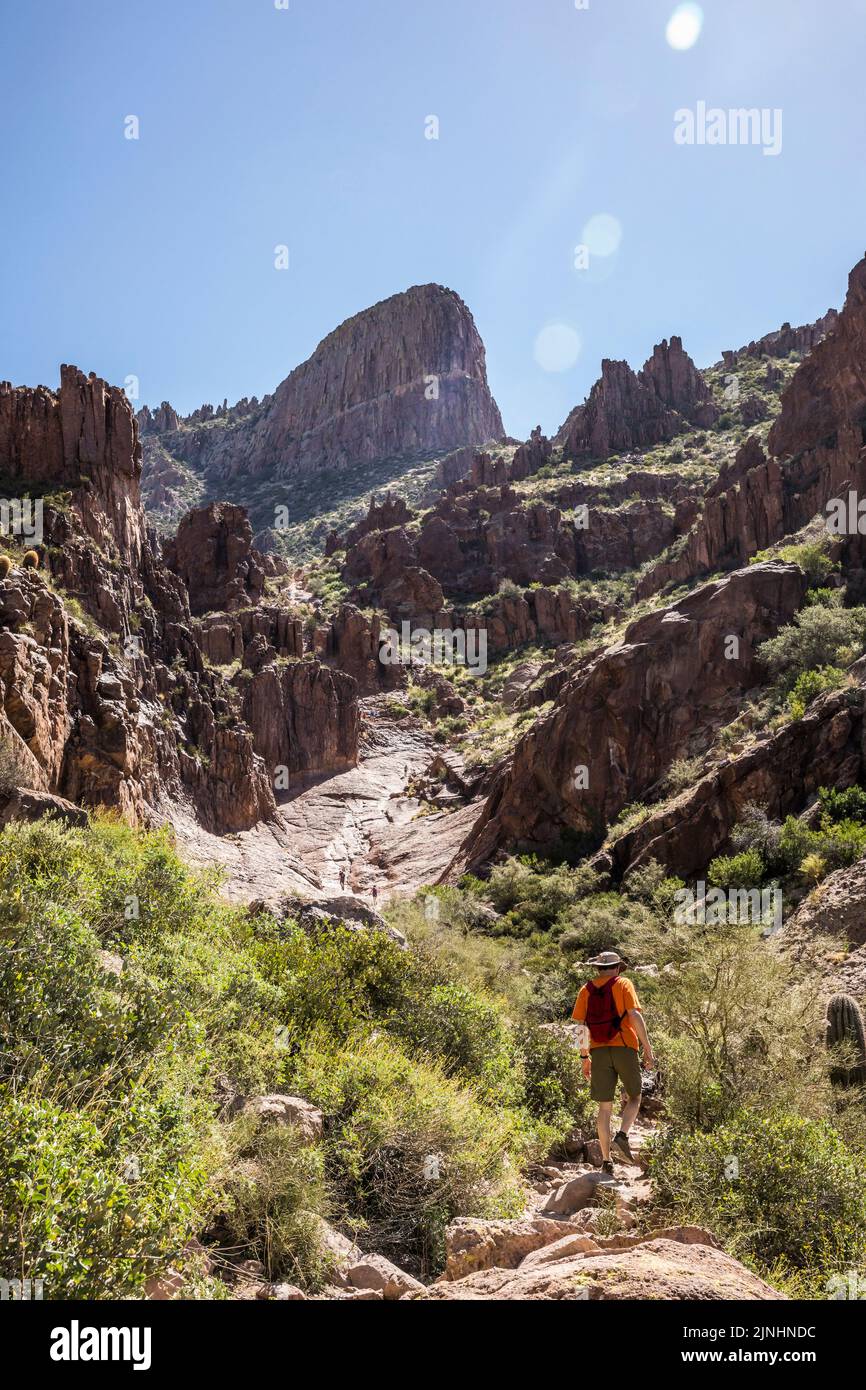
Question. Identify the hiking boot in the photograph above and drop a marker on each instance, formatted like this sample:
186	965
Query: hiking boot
620	1146
607	1166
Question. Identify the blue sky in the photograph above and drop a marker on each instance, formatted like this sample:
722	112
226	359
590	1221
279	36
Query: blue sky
306	127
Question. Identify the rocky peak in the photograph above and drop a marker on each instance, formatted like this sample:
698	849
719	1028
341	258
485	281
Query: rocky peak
82	438
635	410
672	374
159	421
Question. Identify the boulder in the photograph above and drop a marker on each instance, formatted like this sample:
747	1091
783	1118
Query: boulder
657	1269
472	1243
288	1110
374	1272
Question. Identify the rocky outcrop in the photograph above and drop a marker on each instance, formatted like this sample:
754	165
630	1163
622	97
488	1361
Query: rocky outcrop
827	394
627	410
662	1265
407	376
676	380
780	772
620	722
621	412
303	716
81	439
785	340
816	448
159	421
213	554
116	698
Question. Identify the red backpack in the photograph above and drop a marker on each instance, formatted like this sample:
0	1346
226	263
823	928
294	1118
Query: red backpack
602	1018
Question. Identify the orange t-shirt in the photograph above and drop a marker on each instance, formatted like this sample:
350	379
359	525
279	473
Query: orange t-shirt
624	998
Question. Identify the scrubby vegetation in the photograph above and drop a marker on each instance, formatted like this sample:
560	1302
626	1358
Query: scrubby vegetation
755	1142
137	1010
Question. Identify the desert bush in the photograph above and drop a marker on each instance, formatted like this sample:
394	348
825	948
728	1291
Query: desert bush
736	1027
743	870
797	1199
409	1148
682	773
810	685
819	637
268	1200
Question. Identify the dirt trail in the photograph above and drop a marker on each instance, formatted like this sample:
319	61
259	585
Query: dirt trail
362	821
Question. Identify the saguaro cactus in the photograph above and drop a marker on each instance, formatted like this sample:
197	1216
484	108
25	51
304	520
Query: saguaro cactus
845	1026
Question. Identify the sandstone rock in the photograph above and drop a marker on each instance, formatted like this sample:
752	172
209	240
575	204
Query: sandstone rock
577	1192
282	1293
213	555
300	1114
27	804
374	1272
574	1244
472	1244
656	1269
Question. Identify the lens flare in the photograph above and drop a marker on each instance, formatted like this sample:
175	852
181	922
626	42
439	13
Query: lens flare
557	347
684	26
602	234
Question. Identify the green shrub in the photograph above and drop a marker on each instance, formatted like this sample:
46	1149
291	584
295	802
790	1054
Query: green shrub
743	870
409	1148
95	1203
269	1197
682	773
811	684
818	637
736	1027
849	804
797	1200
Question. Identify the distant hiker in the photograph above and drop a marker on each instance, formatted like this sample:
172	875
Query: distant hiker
610	1010
375	895
342	875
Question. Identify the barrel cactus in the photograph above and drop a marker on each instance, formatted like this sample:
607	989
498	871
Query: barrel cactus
31	559
845	1028
5	566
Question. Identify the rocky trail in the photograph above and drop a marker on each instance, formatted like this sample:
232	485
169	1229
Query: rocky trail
363	821
584	1236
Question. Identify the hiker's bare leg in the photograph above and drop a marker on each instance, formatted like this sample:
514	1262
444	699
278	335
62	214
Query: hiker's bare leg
605	1109
629	1113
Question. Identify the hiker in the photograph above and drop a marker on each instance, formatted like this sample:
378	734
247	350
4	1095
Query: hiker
375	895
610	1011
342	876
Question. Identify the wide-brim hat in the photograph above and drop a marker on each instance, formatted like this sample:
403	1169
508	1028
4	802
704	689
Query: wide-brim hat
607	960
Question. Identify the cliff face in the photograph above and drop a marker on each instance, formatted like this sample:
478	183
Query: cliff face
404	378
81	438
111	692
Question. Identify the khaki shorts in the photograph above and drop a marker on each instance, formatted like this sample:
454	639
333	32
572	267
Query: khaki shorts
612	1064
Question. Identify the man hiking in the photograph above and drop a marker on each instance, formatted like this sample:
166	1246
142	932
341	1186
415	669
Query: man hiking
610	1011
